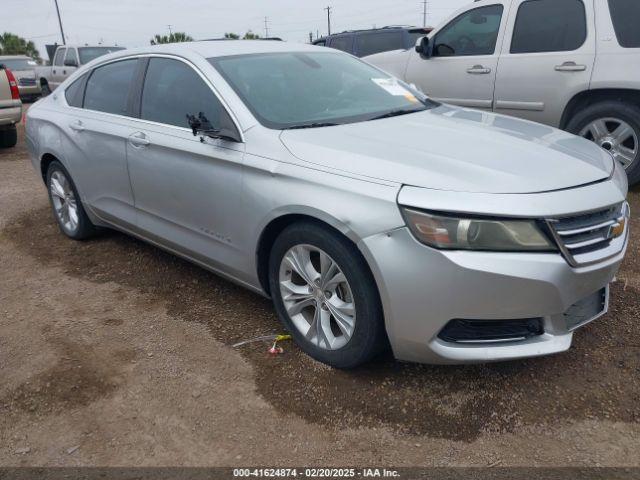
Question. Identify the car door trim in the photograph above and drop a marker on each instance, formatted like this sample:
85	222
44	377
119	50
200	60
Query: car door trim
513	105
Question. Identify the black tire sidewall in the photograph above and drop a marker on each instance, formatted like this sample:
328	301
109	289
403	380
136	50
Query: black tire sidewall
85	228
368	338
8	137
611	109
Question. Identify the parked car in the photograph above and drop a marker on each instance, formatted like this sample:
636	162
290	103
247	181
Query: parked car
24	70
67	59
368	42
571	64
10	108
370	214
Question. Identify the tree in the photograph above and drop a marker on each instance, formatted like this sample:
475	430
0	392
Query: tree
251	36
232	36
11	44
176	37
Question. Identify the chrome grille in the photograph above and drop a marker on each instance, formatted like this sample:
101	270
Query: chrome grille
26	82
593	237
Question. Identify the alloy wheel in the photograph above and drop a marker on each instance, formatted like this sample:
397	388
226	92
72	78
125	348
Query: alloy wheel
64	201
616	136
317	297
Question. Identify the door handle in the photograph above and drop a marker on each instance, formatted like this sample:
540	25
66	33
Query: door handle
77	126
54	72
64	72
570	67
478	70
139	139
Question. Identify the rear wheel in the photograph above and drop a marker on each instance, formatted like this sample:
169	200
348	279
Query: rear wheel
8	137
614	126
325	295
66	204
45	89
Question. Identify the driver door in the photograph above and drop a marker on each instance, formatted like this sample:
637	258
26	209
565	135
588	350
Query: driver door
462	68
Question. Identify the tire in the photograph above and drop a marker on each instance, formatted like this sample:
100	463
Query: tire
62	192
611	115
45	90
306	243
9	137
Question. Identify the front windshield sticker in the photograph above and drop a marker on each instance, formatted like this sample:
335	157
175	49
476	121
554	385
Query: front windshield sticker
392	87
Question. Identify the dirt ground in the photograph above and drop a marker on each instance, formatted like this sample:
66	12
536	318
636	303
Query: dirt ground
115	353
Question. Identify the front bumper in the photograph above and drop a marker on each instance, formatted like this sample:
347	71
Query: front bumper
422	289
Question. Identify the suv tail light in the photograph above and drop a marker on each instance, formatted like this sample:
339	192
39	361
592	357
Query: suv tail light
13	85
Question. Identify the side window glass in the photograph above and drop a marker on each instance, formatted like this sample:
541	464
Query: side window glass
625	15
71	56
173	90
108	87
549	26
473	33
58	60
372	43
75	92
343	43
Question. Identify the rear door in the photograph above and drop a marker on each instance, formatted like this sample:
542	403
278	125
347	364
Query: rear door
462	70
187	191
547	58
97	127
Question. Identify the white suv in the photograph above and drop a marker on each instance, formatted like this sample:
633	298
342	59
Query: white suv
573	64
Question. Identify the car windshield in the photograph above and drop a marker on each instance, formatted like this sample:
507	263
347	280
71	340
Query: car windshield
305	90
19	64
91	53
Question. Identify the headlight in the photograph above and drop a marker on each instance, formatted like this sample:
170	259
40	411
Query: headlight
459	233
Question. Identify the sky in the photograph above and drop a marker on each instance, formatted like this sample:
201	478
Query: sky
133	23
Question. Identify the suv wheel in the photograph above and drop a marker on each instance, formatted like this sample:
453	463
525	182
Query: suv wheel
8	137
326	297
615	126
66	204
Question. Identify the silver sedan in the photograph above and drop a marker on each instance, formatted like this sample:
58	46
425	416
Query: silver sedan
371	215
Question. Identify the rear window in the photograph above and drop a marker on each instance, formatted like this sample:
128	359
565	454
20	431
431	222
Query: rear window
75	92
372	43
626	17
549	26
91	53
108	87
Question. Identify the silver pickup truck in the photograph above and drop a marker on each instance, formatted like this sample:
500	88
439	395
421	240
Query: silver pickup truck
10	108
67	59
572	64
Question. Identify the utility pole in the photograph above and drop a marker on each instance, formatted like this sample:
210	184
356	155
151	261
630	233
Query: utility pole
310	37
64	42
266	27
170	32
424	13
328	9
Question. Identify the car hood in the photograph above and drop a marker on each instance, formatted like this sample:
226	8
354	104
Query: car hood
455	149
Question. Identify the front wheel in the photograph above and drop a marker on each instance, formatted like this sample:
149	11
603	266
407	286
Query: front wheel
325	295
614	126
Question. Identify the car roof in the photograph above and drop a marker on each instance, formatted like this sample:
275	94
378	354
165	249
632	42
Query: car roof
214	48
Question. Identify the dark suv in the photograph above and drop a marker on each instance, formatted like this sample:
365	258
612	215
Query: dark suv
362	43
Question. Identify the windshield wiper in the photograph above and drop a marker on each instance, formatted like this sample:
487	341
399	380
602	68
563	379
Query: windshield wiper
312	125
394	113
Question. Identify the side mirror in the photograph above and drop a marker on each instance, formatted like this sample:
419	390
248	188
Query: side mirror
423	47
200	126
70	63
